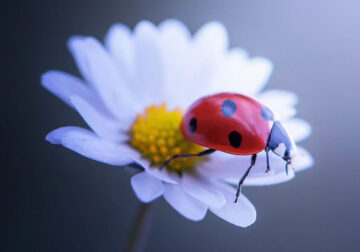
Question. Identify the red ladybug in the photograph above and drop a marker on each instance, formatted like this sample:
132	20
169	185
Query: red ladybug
235	124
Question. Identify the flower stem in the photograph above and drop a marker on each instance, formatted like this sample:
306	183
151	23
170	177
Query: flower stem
141	229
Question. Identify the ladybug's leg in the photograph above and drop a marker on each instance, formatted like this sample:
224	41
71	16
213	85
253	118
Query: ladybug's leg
267	149
253	160
288	162
287	168
200	154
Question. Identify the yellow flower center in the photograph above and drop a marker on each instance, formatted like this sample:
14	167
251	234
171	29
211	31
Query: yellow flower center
156	134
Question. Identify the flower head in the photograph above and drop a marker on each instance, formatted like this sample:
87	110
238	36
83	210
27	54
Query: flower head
132	95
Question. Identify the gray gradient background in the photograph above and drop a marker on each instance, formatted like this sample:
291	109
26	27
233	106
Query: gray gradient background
61	201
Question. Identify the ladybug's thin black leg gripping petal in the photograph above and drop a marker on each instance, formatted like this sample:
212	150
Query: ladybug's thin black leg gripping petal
288	162
267	149
200	154
253	160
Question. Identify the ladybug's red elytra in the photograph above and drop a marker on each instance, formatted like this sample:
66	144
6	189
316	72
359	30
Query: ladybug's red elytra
235	124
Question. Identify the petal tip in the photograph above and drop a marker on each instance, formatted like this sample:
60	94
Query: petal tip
144	26
146	187
213	28
47	79
116	30
51	138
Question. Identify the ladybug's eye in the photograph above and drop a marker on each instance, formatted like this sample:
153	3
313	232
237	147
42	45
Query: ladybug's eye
192	125
235	139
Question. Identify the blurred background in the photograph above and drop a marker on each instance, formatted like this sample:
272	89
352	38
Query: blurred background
61	201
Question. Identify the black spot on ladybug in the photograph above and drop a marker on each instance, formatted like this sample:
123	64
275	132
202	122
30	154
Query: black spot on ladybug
267	114
192	125
235	139
228	108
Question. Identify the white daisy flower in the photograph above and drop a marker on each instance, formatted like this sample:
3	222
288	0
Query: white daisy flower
132	95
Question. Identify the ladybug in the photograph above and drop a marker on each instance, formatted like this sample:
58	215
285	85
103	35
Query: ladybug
235	124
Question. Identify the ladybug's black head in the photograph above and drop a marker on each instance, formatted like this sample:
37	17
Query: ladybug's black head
281	143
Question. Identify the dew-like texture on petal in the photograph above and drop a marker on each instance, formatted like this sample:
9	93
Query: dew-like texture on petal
148	65
91	146
203	190
104	126
120	44
227	166
146	187
298	128
241	214
182	202
64	85
280	101
98	68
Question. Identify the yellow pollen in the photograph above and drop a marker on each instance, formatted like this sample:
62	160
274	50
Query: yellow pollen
156	134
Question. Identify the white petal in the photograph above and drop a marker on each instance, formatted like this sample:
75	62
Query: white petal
241	214
256	74
91	146
275	96
272	179
149	80
298	128
238	73
103	125
164	175
119	42
303	159
227	76
206	54
146	187
223	165
175	28
280	101
176	55
183	203
202	190
64	86
227	166
212	38
98	68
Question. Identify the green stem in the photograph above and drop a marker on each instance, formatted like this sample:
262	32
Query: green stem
141	229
